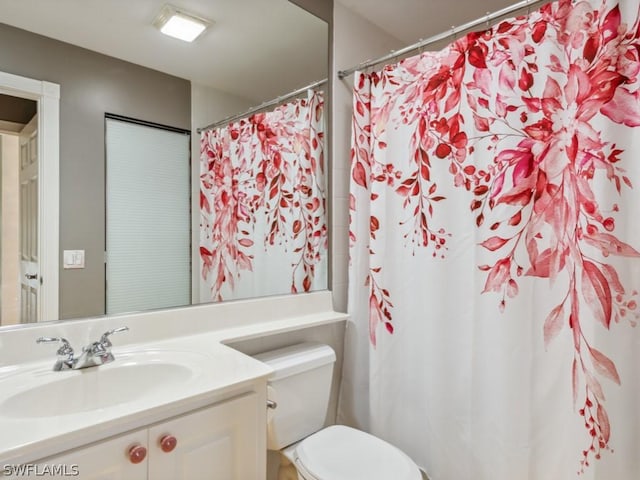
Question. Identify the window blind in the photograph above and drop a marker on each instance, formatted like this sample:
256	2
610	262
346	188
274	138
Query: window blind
148	257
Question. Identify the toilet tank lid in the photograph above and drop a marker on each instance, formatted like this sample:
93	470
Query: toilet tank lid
297	358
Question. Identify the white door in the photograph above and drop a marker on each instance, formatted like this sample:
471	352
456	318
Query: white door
10	230
46	239
29	258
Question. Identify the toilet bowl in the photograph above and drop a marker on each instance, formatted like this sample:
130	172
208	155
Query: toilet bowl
299	390
343	453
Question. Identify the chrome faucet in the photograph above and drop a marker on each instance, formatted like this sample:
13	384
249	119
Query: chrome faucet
94	354
98	353
65	360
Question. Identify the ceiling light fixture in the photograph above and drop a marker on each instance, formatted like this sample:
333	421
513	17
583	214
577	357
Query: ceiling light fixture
180	24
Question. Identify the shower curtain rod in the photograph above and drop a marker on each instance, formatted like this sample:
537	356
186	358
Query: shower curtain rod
252	110
452	32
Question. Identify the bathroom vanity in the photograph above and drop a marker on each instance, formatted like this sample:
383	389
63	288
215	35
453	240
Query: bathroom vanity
168	406
222	440
166	409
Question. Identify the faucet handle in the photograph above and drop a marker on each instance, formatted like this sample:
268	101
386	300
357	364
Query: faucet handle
104	340
65	349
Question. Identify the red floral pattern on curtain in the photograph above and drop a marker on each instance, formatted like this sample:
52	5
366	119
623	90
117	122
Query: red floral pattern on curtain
517	115
262	192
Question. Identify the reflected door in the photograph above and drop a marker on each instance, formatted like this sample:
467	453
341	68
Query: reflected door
29	267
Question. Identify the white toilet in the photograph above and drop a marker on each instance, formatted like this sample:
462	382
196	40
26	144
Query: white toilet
299	397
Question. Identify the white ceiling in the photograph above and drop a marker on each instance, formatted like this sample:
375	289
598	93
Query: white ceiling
257	49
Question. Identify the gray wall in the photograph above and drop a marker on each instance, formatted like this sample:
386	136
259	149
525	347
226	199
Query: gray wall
91	84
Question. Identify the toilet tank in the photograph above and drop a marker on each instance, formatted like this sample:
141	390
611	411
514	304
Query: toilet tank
300	386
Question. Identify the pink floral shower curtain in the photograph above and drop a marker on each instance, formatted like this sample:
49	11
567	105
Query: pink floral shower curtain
262	204
495	236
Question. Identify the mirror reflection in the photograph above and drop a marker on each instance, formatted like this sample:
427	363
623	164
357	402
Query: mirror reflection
265	167
18	211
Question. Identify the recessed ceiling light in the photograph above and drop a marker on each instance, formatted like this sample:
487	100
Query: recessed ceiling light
180	24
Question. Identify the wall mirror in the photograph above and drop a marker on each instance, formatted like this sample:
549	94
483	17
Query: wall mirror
110	61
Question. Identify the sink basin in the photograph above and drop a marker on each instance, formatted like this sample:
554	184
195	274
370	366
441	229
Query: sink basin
128	378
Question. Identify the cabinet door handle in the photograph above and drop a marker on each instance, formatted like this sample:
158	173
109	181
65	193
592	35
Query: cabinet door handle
31	276
137	453
168	443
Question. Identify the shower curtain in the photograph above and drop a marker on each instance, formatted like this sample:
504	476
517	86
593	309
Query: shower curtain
495	236
262	203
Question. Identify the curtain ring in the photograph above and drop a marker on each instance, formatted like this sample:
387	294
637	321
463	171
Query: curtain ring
488	20
454	34
420	46
528	7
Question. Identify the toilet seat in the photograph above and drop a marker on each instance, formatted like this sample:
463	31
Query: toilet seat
343	453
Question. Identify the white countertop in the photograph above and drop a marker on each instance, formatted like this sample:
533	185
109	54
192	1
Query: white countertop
221	372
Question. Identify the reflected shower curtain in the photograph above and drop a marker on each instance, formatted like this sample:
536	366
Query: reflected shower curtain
495	236
262	204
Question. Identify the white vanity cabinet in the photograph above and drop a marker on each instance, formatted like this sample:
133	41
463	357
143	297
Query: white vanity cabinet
106	460
225	441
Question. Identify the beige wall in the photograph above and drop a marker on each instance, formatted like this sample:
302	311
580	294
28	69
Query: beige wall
9	246
91	85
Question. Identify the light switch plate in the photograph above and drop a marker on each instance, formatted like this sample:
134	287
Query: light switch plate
73	259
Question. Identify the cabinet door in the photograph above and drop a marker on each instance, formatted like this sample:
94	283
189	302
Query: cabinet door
107	460
222	442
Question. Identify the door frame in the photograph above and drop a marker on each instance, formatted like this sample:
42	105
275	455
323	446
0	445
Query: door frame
47	95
